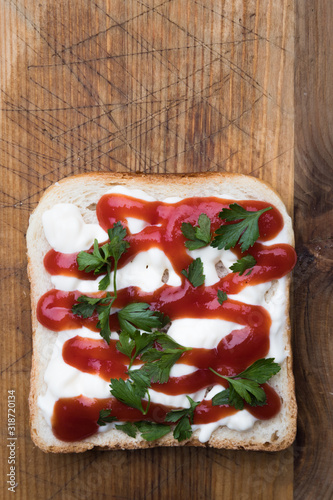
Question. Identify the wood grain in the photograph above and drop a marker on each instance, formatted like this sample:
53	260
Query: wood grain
166	86
313	311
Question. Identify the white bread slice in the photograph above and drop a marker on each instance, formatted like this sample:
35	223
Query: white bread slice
84	191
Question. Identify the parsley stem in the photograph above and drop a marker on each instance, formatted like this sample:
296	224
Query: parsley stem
132	361
148	404
115	281
224	376
218	374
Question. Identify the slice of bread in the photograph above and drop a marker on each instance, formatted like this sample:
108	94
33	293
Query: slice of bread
84	191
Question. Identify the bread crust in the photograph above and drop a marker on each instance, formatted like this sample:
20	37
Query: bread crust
86	189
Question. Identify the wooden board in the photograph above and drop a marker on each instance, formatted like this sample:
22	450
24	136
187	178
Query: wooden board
312	294
157	86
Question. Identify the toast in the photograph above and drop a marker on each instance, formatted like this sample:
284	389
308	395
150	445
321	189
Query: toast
84	192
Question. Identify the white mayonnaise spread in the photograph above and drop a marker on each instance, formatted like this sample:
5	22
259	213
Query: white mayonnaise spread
146	271
210	257
240	421
67	232
200	332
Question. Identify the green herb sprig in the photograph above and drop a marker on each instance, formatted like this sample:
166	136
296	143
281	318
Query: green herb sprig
158	362
132	391
245	386
246	262
150	431
194	273
131	317
100	260
221	296
245	231
105	417
198	236
184	417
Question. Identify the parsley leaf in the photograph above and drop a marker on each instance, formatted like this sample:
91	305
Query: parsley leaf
221	296
245	386
105	417
92	261
117	245
246	262
99	260
261	370
105	282
128	428
167	342
223	398
198	236
104	321
88	305
131	317
245	231
149	430
140	378
184	417
195	273
130	393
229	397
183	429
137	315
126	345
159	362
156	369
141	342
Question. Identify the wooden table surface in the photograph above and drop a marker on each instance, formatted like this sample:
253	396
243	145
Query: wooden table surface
171	86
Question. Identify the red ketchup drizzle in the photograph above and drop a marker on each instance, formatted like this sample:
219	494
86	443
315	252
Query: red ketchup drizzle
229	357
75	418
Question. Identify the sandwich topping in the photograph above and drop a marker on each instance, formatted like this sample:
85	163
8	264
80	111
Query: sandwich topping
170	315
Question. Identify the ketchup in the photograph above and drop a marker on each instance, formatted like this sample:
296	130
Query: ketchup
75	418
164	229
232	355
